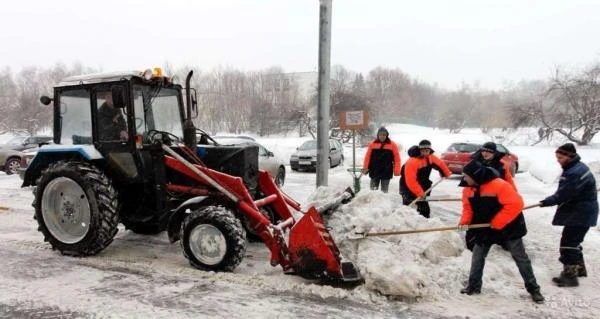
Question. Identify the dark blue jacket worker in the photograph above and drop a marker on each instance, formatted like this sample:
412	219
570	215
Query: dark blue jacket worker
577	211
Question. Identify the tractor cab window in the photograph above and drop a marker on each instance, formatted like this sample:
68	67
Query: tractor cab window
75	117
158	109
112	123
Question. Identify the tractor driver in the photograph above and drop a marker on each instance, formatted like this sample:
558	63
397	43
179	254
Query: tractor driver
112	125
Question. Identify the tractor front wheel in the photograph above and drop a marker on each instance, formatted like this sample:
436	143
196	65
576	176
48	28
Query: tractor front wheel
212	238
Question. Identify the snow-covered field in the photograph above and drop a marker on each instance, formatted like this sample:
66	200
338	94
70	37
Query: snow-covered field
406	276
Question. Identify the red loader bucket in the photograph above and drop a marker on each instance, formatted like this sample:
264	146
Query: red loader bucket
313	253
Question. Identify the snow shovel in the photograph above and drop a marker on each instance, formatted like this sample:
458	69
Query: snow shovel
362	235
420	198
531	206
440	199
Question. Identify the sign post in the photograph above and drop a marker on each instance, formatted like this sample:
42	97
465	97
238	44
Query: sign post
354	120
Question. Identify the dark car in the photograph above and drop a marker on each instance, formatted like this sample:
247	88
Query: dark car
459	154
305	156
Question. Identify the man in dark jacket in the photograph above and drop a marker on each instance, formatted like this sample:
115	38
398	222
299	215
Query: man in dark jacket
111	123
488	155
414	175
489	199
577	211
382	160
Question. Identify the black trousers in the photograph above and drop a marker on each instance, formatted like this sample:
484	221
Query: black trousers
571	252
422	206
385	184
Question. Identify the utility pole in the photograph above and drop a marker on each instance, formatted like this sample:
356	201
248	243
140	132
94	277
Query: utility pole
324	88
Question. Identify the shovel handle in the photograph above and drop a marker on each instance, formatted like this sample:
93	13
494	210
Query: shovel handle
425	230
441	199
420	198
532	206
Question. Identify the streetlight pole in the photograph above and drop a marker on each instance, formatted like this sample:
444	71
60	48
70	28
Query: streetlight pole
324	89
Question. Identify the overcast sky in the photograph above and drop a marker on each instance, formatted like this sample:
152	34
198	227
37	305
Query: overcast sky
445	42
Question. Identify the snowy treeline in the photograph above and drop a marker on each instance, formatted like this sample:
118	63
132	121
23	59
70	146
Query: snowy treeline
267	102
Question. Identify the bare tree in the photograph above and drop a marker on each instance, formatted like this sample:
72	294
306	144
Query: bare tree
569	106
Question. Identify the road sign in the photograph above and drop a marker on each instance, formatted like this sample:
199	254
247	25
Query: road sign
354	120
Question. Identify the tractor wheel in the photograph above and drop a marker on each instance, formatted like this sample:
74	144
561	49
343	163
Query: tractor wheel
280	178
212	238
76	208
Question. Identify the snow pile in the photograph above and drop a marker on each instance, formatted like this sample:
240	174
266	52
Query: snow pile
418	266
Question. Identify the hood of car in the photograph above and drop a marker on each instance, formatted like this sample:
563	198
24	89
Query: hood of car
306	153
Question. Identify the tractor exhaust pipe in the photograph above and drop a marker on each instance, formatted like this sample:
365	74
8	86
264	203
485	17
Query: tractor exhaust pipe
189	130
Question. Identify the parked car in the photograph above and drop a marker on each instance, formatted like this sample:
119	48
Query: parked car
459	154
305	156
267	161
10	160
19	143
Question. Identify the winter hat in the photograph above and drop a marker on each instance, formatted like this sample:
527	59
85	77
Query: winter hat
383	130
567	149
489	146
479	173
424	144
472	169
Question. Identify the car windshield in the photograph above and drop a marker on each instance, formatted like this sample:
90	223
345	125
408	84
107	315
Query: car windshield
17	140
464	147
308	145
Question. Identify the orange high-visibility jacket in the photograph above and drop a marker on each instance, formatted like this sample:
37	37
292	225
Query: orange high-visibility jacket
382	159
417	170
496	202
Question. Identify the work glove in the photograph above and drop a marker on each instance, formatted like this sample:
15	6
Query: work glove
542	204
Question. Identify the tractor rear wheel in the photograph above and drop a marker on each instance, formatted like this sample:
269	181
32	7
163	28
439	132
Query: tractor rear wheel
212	238
76	208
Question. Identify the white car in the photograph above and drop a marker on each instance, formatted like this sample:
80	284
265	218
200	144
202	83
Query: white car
267	161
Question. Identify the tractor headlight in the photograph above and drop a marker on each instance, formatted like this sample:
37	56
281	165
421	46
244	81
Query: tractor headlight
147	75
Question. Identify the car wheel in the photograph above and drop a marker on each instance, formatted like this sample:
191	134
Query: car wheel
280	178
12	166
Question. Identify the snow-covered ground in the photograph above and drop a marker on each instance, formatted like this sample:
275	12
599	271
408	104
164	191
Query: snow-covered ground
406	276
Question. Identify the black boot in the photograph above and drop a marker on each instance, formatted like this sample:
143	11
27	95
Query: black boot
470	290
568	277
581	270
536	296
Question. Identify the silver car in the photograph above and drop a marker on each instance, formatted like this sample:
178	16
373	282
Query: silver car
10	161
267	161
305	156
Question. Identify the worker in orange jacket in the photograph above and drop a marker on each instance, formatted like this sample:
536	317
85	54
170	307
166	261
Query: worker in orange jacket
488	155
414	176
382	160
489	199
